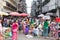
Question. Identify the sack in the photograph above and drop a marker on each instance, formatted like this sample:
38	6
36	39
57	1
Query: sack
29	36
40	26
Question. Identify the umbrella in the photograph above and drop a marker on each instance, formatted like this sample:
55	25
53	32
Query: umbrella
41	15
24	14
14	14
49	14
46	17
4	13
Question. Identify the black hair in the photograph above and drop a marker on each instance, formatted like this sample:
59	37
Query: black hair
14	21
26	26
36	27
46	20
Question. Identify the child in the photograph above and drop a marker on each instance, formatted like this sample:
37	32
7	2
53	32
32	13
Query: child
35	31
26	30
7	33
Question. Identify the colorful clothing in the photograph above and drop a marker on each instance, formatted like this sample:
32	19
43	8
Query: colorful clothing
32	22
46	24
14	31
24	26
53	29
36	31
45	29
6	35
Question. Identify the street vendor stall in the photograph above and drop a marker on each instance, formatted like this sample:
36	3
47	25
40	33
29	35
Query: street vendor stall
3	13
14	14
23	14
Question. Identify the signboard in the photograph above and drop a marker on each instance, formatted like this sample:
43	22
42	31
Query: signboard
57	19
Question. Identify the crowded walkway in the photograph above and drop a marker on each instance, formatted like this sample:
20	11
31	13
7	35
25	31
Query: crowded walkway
33	28
23	37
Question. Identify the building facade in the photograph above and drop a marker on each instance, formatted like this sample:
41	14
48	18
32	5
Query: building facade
22	6
2	3
52	6
8	5
33	8
36	7
13	6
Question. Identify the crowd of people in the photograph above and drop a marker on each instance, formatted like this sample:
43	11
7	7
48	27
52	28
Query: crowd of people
45	27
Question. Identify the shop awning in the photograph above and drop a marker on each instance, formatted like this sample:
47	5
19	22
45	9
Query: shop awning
3	13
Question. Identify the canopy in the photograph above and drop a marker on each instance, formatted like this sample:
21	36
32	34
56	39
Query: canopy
14	14
24	14
3	13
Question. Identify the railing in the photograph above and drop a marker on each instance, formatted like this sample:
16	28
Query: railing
45	2
11	2
11	6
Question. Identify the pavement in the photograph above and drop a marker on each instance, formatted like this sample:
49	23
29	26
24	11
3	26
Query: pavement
21	36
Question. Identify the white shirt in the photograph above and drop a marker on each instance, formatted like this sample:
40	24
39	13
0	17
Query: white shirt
36	30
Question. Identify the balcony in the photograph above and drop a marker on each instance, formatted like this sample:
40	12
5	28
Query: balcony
45	2
11	2
10	7
2	3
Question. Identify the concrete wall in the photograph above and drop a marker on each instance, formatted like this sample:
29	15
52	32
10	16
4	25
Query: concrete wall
57	13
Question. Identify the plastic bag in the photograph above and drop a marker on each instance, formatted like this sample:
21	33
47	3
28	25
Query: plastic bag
29	36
